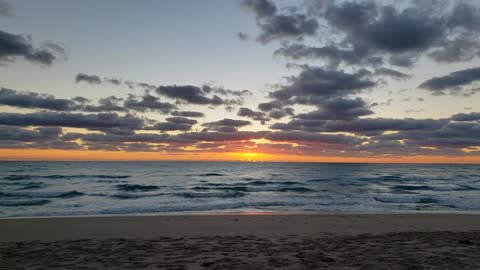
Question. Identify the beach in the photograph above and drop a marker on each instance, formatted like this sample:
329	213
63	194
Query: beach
241	241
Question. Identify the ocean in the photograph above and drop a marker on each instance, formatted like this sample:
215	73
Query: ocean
31	189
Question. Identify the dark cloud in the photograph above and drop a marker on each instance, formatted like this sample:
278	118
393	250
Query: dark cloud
280	113
385	28
360	125
181	120
35	101
466	117
315	83
338	109
242	36
147	102
261	8
142	103
187	114
367	33
90	79
88	121
229	123
255	115
27	135
294	136
190	94
12	46
169	126
453	83
95	79
175	124
226	125
334	55
222	136
108	104
280	26
116	82
397	75
225	92
268	106
39	138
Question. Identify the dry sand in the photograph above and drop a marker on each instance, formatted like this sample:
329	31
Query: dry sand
321	241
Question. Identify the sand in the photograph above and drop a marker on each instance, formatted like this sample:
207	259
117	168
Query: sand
320	241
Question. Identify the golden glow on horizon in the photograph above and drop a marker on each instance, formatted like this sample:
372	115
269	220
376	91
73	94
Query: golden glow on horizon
79	155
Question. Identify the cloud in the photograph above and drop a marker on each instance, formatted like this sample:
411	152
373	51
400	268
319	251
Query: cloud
77	120
268	106
338	109
295	136
39	138
13	46
242	36
207	89
466	117
90	79
32	100
360	125
394	74
279	26
453	83
255	115
281	113
107	104
368	33
27	135
261	8
223	136
169	126
148	102
187	114
190	94
226	125
334	55
316	83
174	124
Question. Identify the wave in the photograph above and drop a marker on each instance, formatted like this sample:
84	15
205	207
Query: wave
296	189
136	187
433	188
419	200
192	195
60	176
67	194
246	188
208	174
8	203
32	185
187	208
127	196
239	189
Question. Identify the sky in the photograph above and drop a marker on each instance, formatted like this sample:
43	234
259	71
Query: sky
245	80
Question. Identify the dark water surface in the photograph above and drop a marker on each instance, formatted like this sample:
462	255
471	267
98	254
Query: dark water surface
102	188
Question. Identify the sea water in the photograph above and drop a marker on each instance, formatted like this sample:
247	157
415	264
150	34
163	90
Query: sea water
30	189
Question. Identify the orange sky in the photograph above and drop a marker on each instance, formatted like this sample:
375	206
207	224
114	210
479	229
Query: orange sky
30	154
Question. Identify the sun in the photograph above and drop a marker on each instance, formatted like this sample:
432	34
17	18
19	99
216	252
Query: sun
250	157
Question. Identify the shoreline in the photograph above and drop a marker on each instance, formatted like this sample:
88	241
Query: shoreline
251	213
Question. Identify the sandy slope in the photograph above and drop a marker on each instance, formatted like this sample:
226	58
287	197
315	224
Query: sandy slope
402	241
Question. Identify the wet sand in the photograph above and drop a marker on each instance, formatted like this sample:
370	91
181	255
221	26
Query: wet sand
320	241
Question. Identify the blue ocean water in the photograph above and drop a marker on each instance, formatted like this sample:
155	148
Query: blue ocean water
103	188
